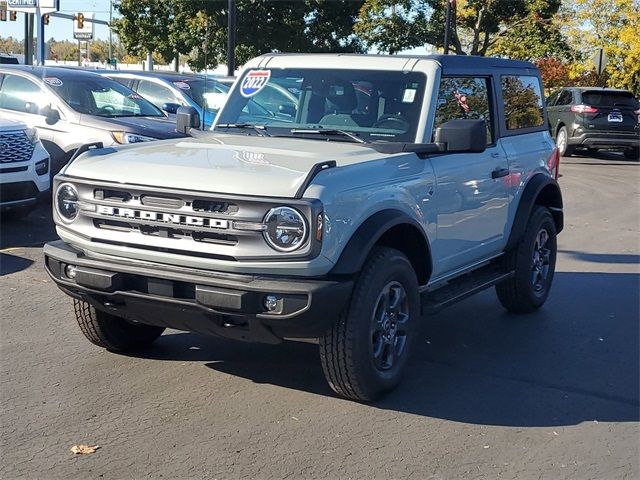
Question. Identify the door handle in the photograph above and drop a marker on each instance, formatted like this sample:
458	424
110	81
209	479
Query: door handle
499	172
495	154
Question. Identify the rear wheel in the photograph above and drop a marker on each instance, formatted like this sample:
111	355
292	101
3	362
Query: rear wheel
562	141
632	153
365	352
534	263
111	332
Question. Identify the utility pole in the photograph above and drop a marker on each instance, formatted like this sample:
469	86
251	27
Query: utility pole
28	39
110	36
231	39
447	27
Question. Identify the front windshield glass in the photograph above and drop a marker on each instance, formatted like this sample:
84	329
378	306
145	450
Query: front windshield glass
102	97
209	94
374	105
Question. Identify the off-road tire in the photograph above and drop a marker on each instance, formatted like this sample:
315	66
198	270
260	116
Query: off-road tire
518	294
632	153
347	349
562	141
111	332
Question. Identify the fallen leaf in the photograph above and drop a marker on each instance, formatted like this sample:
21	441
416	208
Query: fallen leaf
83	449
486	446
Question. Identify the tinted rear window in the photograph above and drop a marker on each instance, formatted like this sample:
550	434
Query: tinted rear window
610	99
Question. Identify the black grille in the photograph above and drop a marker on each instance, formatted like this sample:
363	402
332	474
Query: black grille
12	192
15	147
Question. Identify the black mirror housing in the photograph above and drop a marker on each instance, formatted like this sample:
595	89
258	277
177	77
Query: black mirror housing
170	107
462	135
52	116
186	119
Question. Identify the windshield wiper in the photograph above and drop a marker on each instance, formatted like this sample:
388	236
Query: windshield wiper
327	132
260	129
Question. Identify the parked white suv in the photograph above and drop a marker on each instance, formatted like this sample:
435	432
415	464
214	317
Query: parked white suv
24	169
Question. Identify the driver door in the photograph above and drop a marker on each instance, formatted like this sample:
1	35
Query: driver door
472	196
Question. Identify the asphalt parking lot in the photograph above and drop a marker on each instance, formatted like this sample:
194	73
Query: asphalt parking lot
551	395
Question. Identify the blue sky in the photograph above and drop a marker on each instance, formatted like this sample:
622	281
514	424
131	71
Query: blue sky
61	28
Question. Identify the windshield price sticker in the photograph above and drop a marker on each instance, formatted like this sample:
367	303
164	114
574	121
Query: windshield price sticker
409	95
254	82
53	81
182	85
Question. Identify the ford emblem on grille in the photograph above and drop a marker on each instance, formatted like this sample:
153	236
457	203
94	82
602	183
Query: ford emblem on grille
166	218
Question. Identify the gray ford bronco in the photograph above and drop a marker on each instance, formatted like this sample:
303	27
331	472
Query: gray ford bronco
379	190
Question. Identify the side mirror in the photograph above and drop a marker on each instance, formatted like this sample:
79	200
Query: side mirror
52	116
462	135
171	107
287	109
186	119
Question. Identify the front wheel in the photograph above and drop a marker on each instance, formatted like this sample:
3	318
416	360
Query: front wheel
534	263
111	332
365	352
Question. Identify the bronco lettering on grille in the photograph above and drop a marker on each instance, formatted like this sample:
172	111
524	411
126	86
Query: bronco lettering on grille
171	218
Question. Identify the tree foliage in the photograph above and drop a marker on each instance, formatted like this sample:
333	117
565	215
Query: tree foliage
611	25
198	28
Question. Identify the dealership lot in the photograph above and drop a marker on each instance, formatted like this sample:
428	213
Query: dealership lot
489	395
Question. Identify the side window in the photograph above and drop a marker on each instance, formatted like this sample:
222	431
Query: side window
156	94
19	93
522	101
565	98
551	99
462	97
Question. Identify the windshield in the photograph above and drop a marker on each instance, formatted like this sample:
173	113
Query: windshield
102	97
374	105
209	95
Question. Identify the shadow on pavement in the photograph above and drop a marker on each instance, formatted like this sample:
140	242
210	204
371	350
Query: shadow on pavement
35	229
575	360
618	258
12	264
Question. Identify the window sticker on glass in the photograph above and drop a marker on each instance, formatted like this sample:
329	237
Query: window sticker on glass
409	95
254	82
53	81
182	85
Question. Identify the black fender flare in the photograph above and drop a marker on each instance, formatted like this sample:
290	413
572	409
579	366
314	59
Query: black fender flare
355	254
540	190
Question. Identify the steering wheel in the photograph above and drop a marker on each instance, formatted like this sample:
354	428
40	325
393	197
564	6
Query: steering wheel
107	109
392	122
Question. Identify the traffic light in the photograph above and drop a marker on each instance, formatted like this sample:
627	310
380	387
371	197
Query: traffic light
45	19
13	15
80	19
3	14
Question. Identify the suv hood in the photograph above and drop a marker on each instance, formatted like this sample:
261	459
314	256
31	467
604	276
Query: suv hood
156	127
219	163
7	124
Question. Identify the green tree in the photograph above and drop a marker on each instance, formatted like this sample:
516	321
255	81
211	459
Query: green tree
198	28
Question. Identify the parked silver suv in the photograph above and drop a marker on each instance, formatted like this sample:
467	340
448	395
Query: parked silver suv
396	187
72	107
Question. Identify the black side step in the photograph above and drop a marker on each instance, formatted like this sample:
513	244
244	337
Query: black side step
462	287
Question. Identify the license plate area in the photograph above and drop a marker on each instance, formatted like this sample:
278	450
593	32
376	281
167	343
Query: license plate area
615	117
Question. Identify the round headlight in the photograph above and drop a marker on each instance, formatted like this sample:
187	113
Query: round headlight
67	202
286	229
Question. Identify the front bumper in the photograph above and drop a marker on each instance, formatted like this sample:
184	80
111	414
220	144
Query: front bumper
611	140
218	303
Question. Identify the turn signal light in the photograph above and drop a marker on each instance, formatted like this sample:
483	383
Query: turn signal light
583	109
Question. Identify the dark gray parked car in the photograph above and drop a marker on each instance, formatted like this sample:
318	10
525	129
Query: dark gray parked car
594	118
71	107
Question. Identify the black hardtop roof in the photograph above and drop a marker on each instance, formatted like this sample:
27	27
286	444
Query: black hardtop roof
599	89
447	61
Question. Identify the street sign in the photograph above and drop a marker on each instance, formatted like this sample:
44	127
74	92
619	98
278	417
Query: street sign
32	6
600	60
86	32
